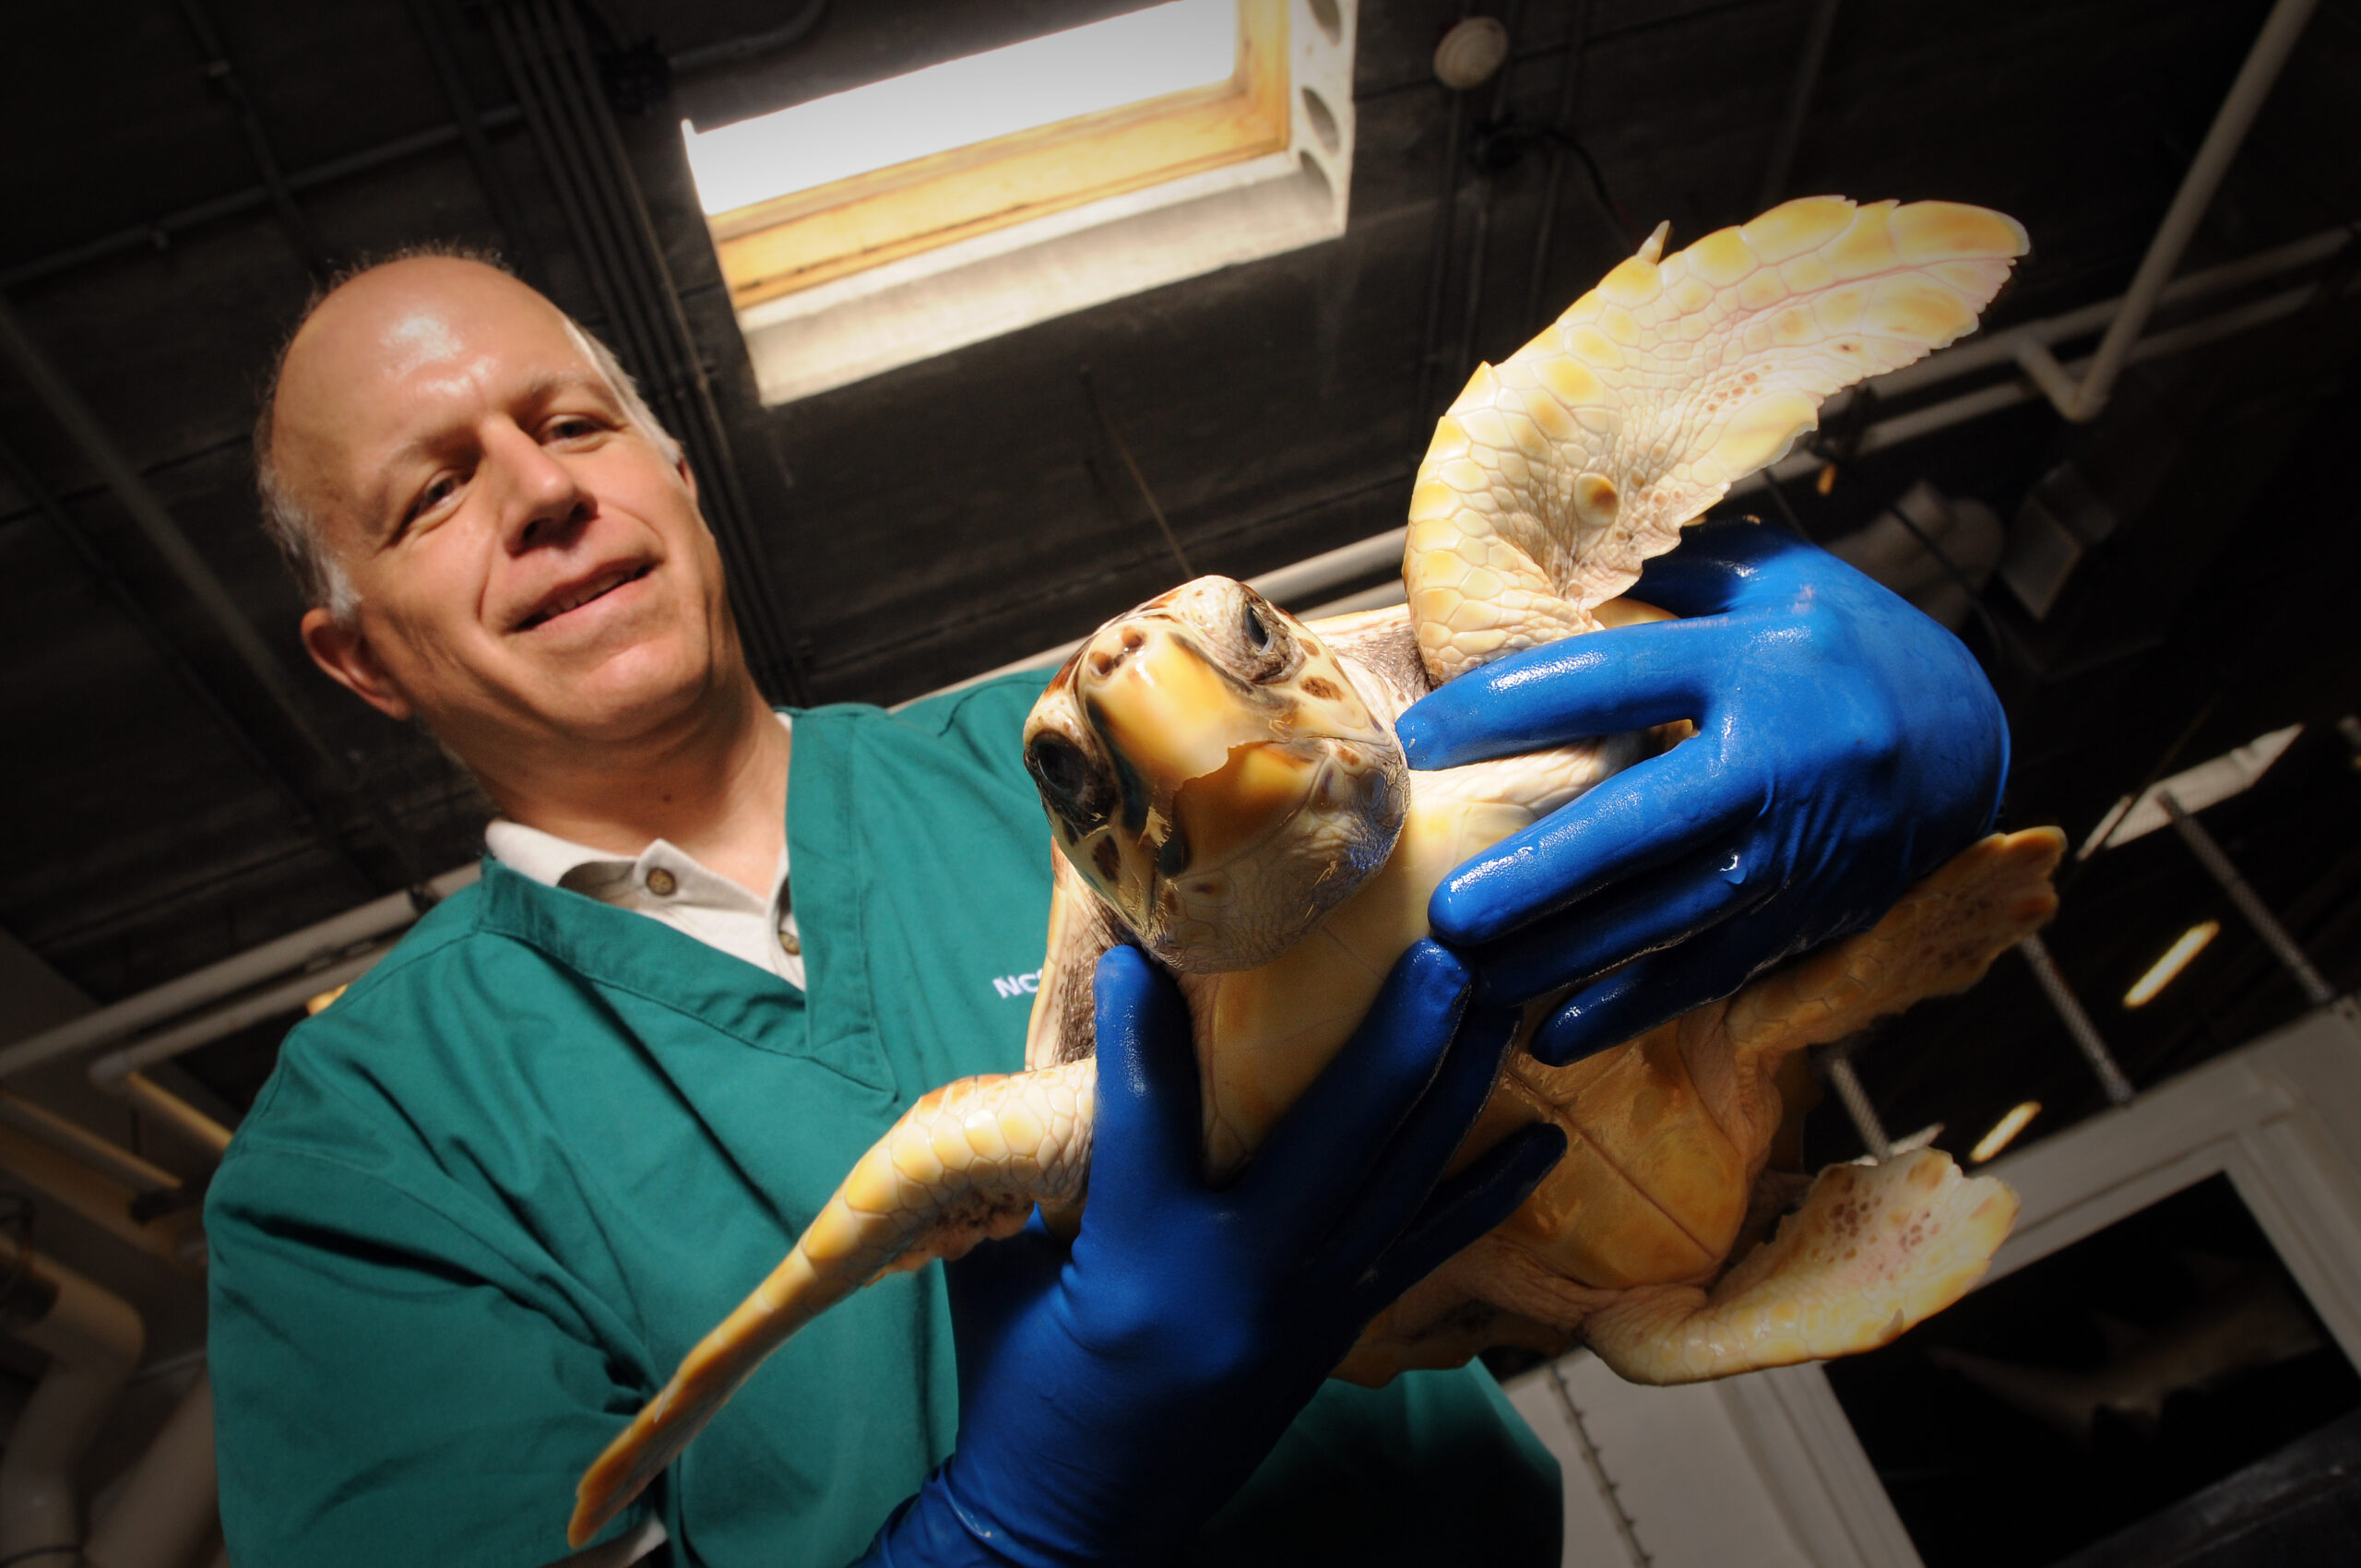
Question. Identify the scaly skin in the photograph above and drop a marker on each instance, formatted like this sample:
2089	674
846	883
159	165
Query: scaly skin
1554	477
1227	780
1666	1136
967	1161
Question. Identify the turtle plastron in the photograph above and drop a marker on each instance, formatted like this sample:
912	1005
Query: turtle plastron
1619	1245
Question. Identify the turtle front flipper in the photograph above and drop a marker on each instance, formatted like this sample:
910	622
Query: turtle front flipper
967	1162
1554	477
1874	1251
1063	1027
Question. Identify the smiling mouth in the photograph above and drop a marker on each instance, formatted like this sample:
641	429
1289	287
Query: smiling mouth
575	598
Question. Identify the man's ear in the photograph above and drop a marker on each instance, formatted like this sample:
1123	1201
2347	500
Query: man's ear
344	652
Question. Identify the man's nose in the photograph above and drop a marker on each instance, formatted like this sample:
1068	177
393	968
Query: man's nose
542	500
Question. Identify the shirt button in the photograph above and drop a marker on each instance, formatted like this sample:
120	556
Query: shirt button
662	883
791	943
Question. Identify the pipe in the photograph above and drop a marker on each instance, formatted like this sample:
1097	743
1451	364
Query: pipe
206	1134
133	493
2081	400
729	52
427	16
1864	1115
2250	903
107	1071
94	1340
225	75
1799	95
105	1201
1480	236
1439	258
229	976
2078	1022
156	232
167	1505
1545	232
72	1137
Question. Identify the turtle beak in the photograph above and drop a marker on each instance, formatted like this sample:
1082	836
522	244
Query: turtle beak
1161	707
1203	770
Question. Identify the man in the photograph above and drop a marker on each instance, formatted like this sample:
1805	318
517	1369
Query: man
492	1196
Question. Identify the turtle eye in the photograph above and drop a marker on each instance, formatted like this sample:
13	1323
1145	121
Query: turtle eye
1070	785
1263	639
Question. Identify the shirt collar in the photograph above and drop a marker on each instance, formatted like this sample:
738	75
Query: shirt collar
581	868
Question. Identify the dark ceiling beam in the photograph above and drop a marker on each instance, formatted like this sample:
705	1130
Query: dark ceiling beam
557	82
1781	166
753	46
94	561
517	240
1446	232
224	74
164	533
157	233
1545	232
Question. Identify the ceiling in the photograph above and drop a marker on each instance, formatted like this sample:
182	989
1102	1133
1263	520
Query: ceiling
165	809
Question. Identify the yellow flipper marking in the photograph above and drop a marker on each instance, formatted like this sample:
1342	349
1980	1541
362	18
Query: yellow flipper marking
1555	476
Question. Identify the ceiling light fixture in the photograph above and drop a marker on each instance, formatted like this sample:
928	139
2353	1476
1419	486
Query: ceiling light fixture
1165	49
2234	772
2177	957
2004	1131
315	1006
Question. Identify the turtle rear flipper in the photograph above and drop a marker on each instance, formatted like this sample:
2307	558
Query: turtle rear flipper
967	1162
1554	477
1873	1251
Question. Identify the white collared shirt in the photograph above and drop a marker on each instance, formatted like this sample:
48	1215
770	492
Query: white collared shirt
666	883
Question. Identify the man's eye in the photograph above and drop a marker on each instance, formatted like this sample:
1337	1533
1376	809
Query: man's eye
572	427
434	495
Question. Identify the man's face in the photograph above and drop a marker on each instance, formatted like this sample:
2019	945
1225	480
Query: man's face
532	570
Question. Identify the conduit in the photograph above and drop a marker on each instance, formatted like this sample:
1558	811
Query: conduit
167	1505
94	1340
298	949
2081	398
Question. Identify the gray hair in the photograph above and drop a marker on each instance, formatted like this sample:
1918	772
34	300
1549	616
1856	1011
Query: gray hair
295	529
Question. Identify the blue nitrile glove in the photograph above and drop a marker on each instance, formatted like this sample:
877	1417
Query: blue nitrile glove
1846	746
1112	1396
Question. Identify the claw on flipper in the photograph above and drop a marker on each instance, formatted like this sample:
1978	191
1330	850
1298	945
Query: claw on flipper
967	1162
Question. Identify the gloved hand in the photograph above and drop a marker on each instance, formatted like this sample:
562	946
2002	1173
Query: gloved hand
1111	1397
1846	746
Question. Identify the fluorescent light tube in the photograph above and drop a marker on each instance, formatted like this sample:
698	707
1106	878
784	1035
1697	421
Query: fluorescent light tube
2160	973
2004	1131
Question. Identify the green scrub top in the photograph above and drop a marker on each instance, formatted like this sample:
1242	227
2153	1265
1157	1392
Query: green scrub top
491	1196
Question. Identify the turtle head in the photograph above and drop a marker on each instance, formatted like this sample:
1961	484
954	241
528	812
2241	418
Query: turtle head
1211	769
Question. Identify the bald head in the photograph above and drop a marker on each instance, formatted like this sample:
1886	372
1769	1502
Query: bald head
356	342
496	535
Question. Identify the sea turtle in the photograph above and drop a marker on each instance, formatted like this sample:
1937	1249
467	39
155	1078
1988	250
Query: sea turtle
1225	788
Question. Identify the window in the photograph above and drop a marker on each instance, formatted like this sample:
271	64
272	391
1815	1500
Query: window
877	227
